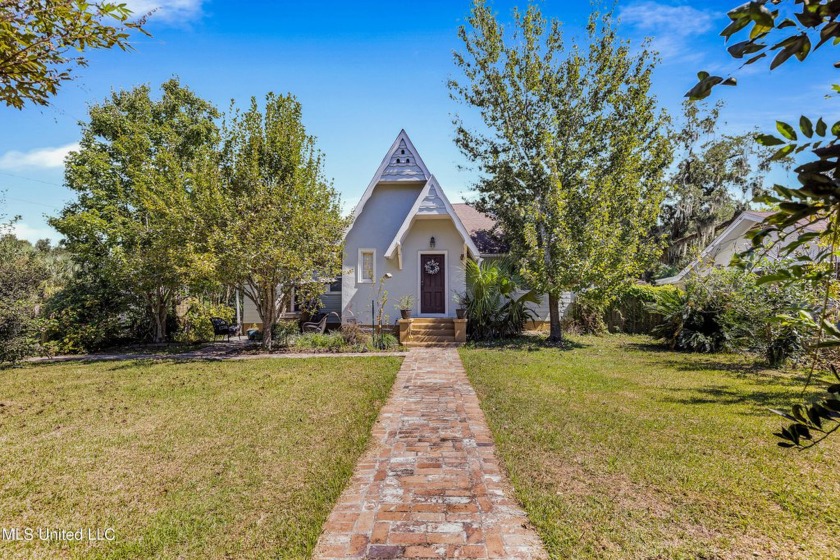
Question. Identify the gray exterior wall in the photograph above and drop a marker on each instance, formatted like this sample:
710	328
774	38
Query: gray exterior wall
375	228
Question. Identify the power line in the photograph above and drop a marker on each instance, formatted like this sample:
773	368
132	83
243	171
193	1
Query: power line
30	179
32	202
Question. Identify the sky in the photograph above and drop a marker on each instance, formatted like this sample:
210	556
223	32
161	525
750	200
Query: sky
363	71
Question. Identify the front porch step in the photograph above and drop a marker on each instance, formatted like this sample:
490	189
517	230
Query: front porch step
431	338
413	344
430	331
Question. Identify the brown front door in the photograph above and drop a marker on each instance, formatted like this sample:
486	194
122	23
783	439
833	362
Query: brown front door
433	283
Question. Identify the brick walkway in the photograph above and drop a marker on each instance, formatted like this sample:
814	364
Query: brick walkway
430	486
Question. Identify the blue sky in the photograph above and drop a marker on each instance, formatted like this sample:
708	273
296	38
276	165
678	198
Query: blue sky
363	71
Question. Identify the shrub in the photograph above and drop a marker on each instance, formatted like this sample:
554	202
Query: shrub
630	312
386	341
493	307
196	325
732	309
22	274
354	334
332	341
283	331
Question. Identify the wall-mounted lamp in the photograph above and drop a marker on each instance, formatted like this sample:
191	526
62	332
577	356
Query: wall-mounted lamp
432	242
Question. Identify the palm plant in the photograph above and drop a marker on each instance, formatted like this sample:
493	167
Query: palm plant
494	307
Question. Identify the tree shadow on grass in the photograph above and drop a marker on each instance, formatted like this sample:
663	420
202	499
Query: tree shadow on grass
527	343
756	402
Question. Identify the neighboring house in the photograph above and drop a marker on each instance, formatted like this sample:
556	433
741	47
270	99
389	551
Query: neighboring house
404	225
733	240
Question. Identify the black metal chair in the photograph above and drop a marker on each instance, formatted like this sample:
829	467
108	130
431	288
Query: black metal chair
223	328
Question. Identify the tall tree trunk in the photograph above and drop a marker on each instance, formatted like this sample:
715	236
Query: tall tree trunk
268	314
157	303
555	333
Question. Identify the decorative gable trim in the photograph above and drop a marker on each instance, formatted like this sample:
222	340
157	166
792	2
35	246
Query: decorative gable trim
388	172
431	202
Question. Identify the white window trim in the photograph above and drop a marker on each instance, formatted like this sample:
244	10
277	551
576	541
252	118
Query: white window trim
359	272
445	254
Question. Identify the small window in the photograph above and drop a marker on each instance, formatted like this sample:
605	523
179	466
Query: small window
402	152
398	160
367	266
406	160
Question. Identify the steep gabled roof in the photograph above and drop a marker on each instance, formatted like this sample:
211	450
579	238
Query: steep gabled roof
431	202
409	168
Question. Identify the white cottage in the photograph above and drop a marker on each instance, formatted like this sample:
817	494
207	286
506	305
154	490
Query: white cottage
404	226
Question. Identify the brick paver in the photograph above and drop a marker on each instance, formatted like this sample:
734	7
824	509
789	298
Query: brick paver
430	486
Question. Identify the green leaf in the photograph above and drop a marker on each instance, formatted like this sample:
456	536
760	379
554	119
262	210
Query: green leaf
805	126
821	127
772	278
835	129
786	130
783	152
768	140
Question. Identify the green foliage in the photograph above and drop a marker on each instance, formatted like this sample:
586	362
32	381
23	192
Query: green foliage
821	416
405	303
277	221
715	178
629	313
283	332
331	341
494	307
41	41
91	312
387	341
792	32
731	309
808	215
22	277
571	145
136	179
195	325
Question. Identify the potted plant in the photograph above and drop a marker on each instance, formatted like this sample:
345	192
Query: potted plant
405	304
461	302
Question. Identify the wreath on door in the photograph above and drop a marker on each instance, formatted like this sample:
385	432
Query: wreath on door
432	267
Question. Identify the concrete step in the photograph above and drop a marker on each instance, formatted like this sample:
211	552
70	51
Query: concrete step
412	344
423	330
432	321
431	338
433	325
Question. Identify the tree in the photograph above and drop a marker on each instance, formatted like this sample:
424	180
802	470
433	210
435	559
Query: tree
135	174
36	37
22	276
279	223
710	174
808	213
572	150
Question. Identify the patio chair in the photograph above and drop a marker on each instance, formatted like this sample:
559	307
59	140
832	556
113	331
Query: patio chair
223	328
319	327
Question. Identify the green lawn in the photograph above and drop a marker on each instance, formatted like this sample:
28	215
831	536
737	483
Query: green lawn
620	450
235	459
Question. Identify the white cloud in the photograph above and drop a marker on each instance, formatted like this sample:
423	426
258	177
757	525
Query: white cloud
671	28
33	234
39	157
173	11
